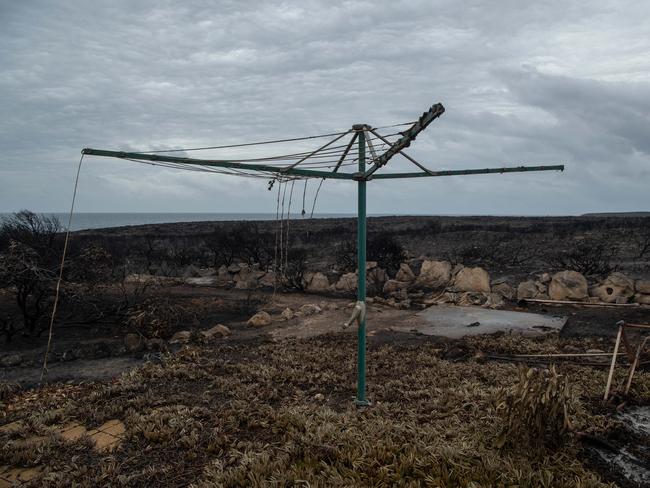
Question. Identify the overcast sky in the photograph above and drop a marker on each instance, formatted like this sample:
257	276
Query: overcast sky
543	82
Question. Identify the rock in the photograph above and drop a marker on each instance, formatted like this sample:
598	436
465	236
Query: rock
494	301
642	286
260	319
375	279
318	283
370	265
394	286
643	299
234	268
287	314
319	397
181	337
434	274
545	278
11	360
347	282
405	273
527	289
267	280
504	290
472	279
542	288
310	309
613	289
472	298
133	342
217	331
568	285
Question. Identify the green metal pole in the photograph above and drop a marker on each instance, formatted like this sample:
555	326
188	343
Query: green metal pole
361	288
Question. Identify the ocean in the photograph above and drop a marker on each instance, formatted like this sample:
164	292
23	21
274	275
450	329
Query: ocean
101	220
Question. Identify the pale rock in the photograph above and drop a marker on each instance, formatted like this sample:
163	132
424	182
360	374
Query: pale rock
310	309
434	274
494	300
319	397
234	268
393	286
218	330
260	319
568	285
545	278
527	289
613	288
180	337
405	273
347	282
318	282
267	280
642	286
287	314
643	299
472	279
504	290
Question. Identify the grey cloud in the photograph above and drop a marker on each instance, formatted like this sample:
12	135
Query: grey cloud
546	82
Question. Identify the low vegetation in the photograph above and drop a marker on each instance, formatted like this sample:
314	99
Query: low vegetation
266	414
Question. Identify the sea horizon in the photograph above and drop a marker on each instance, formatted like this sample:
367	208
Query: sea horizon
102	220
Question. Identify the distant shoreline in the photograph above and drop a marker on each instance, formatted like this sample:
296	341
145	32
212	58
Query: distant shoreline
107	220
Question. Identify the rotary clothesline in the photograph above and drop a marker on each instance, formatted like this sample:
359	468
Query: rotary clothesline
324	162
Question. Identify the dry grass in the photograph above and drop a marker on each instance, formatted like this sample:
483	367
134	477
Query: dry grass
246	415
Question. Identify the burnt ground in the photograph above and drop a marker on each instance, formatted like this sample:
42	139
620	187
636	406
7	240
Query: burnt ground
436	391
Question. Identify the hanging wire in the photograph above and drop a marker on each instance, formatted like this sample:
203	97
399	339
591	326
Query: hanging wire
57	293
315	198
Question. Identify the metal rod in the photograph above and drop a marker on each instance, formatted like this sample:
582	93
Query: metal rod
376	167
314	152
457	172
361	287
345	152
216	163
614	356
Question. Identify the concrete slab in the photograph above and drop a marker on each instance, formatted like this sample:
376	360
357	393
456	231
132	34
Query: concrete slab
456	322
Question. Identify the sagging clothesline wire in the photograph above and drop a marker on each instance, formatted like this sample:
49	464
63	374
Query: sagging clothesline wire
330	151
274	141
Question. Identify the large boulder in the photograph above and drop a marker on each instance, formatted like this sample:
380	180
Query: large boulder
347	282
642	299
267	280
318	283
642	286
568	285
617	288
472	279
260	319
405	273
434	274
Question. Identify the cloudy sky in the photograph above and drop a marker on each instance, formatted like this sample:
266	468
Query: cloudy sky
541	82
